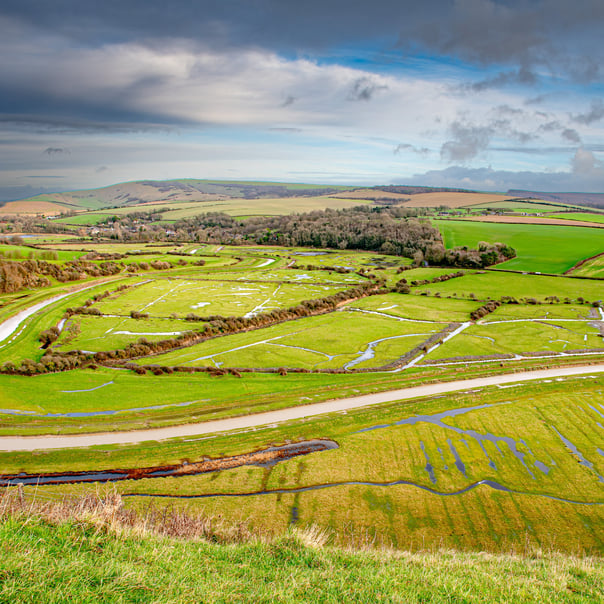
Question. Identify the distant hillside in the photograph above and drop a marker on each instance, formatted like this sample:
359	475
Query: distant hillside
593	200
138	192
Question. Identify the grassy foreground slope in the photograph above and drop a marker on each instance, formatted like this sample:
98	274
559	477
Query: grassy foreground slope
93	556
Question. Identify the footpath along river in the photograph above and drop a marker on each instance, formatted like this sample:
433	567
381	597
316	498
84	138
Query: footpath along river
32	443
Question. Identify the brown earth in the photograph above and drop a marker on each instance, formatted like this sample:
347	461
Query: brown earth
536	220
32	207
450	199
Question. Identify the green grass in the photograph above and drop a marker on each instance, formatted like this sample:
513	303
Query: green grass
20	252
88	218
85	332
520	337
592	268
419	308
328	341
529	207
541	248
542	311
582	216
164	297
496	284
402	516
74	561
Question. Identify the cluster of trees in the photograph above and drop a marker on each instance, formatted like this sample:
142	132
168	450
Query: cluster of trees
15	276
30	274
361	228
487	254
49	363
403	287
484	310
30	224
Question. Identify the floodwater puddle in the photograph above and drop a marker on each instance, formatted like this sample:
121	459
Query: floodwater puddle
437	420
458	463
97	413
429	467
582	460
369	352
264	458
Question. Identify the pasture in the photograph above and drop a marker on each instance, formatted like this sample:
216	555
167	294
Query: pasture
483	469
580	216
335	341
495	284
591	268
519	337
539	248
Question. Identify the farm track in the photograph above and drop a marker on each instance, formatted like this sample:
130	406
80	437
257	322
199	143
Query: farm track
32	443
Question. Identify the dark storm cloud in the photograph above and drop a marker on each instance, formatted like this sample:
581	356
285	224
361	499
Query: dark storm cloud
412	148
466	143
571	135
522	76
43	124
364	89
56	151
586	175
595	114
558	34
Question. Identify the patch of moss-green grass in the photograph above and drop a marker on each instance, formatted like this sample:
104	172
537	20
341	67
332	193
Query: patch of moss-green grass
339	337
418	308
75	561
544	248
518	337
494	284
168	297
592	268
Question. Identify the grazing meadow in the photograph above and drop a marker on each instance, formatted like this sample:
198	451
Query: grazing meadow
533	243
186	332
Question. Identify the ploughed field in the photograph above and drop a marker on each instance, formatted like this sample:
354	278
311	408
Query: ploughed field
261	328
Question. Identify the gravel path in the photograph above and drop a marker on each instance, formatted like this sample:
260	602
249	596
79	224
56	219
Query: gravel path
31	443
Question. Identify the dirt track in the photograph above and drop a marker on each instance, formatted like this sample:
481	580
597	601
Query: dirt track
31	443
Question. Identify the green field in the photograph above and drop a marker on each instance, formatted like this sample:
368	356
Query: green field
582	216
539	248
592	268
519	438
521	336
334	341
489	469
495	284
527	207
88	218
83	557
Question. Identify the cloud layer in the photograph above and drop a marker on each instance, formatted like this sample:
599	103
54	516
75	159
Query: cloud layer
494	92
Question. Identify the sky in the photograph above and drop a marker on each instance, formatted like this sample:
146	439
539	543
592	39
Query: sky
479	94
